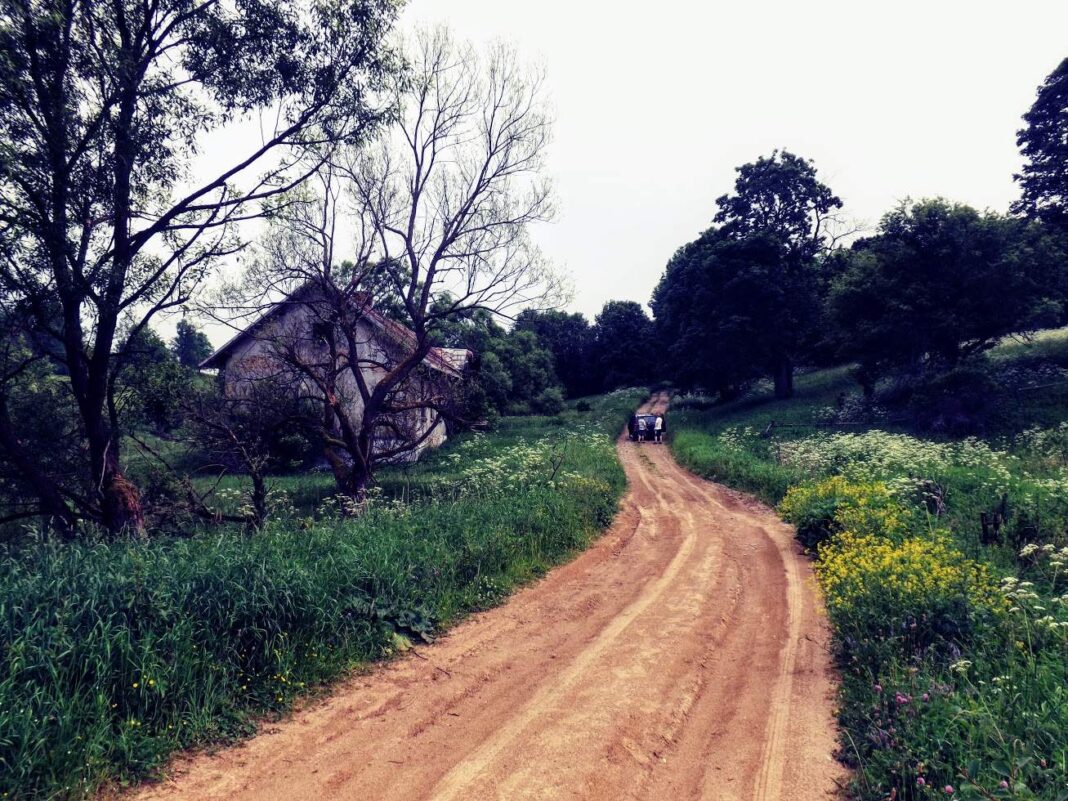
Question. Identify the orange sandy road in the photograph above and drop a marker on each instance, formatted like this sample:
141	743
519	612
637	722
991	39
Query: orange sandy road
681	657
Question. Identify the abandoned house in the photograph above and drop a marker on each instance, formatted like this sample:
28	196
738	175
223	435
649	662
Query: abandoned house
293	347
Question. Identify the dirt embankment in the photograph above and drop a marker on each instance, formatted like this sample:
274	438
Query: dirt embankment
683	656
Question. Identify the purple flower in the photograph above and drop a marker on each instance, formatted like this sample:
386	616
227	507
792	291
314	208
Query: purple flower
878	688
949	789
920	782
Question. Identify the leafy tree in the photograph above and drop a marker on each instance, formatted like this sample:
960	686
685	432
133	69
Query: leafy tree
191	345
569	337
103	105
440	207
623	353
1044	145
779	200
515	373
940	281
717	307
151	383
780	196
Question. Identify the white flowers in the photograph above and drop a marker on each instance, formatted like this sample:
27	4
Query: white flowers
907	461
544	461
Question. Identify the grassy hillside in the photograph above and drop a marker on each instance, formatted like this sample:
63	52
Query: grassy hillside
118	653
944	563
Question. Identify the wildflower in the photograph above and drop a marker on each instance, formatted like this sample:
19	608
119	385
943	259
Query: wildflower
920	781
1004	785
949	789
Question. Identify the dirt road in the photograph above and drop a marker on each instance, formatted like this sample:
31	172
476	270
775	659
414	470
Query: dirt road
681	657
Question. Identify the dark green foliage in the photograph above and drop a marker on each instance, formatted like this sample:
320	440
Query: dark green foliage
514	371
104	106
956	404
729	311
938	283
269	425
743	300
570	339
191	346
1044	145
117	653
153	384
624	352
779	196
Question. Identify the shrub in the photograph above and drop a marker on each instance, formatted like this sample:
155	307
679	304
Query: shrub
958	403
549	401
835	504
909	599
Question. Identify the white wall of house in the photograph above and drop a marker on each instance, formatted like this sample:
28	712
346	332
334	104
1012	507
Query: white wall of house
255	358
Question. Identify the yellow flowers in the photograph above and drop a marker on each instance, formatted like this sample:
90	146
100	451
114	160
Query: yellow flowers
836	504
913	576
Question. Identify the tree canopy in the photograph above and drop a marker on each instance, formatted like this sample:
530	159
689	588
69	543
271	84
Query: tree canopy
940	281
1043	143
570	339
779	196
623	347
191	346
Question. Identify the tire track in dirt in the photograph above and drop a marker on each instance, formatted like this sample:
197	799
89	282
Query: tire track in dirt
682	656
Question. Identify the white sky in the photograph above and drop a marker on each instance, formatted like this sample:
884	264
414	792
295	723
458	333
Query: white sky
656	103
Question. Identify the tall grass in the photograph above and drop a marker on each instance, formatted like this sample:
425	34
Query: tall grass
117	653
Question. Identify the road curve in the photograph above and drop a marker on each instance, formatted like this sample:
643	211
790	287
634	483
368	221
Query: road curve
682	656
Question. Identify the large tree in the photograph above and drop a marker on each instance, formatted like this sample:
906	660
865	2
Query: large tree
191	346
623	354
569	337
719	312
1044	146
101	219
939	282
435	217
779	199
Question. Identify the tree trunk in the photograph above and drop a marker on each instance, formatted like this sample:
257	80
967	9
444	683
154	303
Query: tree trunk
120	500
784	378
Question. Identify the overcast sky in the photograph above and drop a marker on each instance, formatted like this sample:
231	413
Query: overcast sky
657	103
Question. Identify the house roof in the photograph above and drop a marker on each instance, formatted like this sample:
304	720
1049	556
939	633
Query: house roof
446	360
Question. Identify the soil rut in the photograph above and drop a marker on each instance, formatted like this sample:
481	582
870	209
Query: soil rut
683	656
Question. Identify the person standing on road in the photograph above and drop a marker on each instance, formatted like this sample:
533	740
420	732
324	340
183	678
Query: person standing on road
641	428
658	427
